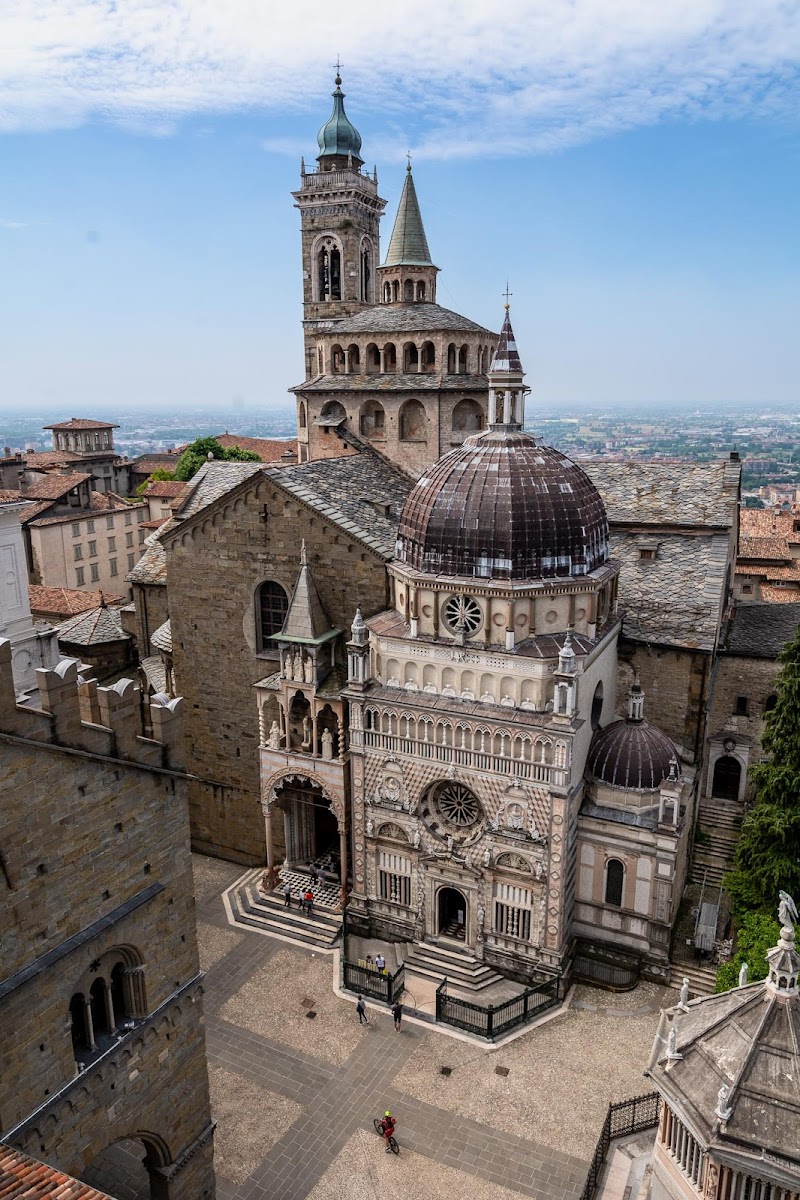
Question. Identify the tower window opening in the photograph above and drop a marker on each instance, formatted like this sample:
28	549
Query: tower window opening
420	291
272	604
463	360
615	877
366	274
395	290
329	266
408	289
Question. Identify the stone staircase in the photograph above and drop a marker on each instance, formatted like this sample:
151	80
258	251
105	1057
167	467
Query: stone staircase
701	979
459	967
721	821
266	914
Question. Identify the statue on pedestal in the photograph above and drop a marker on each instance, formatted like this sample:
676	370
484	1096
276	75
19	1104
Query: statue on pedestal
274	739
327	743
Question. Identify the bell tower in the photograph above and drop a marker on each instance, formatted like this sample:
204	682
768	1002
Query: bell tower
340	213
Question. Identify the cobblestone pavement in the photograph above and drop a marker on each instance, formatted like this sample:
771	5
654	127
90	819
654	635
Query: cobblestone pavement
295	1096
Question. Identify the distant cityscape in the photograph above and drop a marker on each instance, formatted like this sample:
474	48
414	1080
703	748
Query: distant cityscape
767	441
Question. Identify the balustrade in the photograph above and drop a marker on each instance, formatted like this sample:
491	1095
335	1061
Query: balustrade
501	762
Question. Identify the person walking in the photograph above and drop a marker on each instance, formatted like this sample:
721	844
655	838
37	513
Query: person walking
309	901
287	895
361	1009
397	1013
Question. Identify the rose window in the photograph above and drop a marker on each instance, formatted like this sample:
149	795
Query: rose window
463	614
457	805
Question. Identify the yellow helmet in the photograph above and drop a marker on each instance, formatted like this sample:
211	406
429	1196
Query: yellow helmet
387	1113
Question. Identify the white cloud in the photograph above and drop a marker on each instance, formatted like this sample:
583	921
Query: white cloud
457	77
5	223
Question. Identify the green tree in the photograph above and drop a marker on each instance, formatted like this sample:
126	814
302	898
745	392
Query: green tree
756	935
768	853
160	474
198	452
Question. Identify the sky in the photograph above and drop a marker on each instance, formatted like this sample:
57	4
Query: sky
631	167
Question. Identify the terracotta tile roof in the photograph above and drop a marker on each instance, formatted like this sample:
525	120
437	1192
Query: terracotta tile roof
81	423
148	463
156	523
94	628
791	572
53	487
10	496
778	595
25	1178
66	602
165	487
108	500
774	548
766	522
268	449
35	510
40	460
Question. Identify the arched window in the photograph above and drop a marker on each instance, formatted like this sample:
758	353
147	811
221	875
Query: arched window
420	291
118	1000
301	414
390	356
727	778
597	706
387	293
463	360
410	357
615	877
467	418
97	1004
451	359
329	272
373	420
333	411
428	358
373	359
366	272
272	605
337	359
353	358
408	289
77	1016
770	702
395	290
413	422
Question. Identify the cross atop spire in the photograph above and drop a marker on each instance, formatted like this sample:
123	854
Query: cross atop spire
408	161
338	71
508	296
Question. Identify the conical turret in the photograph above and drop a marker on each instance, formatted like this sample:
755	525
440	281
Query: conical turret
408	274
506	391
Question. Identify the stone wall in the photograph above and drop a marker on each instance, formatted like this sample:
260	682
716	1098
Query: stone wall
676	685
96	871
240	543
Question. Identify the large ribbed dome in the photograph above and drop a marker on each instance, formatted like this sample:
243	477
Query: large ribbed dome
632	753
503	506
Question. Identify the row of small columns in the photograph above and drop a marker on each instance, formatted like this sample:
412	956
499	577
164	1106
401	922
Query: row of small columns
283	726
134	977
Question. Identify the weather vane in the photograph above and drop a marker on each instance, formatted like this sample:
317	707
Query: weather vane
338	68
507	295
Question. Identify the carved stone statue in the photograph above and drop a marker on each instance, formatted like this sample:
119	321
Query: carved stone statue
274	739
684	998
787	910
722	1110
487	857
449	844
743	975
308	669
672	1043
306	733
417	839
370	827
327	743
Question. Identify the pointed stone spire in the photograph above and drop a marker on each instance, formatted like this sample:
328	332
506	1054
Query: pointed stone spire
306	618
408	246
506	356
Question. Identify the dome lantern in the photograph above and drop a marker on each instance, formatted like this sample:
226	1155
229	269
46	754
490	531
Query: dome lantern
339	141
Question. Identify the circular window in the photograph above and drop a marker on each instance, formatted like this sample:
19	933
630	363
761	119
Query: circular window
462	614
457	805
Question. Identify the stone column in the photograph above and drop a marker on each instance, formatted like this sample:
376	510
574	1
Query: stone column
88	1023
134	990
112	1024
342	864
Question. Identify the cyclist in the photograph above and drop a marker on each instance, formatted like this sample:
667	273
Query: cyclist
388	1126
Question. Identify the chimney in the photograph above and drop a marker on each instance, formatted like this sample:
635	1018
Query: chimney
7	451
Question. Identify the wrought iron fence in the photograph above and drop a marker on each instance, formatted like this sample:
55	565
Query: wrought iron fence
622	1119
378	985
614	974
490	1020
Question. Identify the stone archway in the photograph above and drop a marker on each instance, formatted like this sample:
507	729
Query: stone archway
126	1168
451	913
314	825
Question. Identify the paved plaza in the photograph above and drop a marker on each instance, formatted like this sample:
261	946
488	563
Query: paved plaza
294	1095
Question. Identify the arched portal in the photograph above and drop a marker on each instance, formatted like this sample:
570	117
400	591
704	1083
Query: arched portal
727	778
122	1168
451	912
311	829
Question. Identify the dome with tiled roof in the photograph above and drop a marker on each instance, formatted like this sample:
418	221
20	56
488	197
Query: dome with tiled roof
631	753
503	505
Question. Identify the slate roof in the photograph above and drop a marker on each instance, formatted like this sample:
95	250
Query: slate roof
352	492
762	630
403	318
162	638
423	382
81	423
506	356
211	482
306	618
650	493
94	628
25	1178
53	487
155	672
408	245
66	602
152	566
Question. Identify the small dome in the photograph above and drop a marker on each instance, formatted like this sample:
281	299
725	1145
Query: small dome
503	506
632	753
338	138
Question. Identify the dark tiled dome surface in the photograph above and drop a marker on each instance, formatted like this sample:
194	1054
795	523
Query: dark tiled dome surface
631	754
503	506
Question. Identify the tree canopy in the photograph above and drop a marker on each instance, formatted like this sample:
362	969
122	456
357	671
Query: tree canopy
197	453
756	935
768	852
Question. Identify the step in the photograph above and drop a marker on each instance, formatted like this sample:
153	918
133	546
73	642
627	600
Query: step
268	915
702	980
440	962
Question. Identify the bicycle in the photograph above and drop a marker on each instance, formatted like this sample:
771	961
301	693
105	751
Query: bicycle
393	1146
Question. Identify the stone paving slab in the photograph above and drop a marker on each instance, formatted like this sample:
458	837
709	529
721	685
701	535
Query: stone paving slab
250	1120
